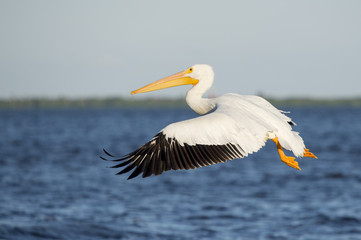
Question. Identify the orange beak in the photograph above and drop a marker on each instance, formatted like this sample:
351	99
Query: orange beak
170	81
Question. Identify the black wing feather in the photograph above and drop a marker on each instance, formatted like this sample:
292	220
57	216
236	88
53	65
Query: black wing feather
162	154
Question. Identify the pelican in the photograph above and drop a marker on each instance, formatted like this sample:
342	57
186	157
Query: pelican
231	126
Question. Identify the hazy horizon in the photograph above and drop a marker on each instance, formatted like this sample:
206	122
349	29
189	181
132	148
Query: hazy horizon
77	49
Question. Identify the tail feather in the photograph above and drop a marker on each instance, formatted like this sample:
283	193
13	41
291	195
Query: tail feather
292	141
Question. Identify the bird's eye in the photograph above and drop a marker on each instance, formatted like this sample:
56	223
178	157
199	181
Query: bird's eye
191	70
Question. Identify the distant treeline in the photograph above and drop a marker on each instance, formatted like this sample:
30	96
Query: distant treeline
116	102
350	102
89	103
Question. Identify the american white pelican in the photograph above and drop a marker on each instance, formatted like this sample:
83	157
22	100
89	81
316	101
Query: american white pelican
240	125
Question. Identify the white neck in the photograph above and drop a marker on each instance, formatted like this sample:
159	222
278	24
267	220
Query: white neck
205	75
197	103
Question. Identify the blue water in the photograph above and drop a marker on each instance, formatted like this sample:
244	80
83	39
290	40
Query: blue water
54	186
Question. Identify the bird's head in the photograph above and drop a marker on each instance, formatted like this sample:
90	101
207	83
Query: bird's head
199	74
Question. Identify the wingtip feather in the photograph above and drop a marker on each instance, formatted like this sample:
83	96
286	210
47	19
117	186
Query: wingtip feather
107	153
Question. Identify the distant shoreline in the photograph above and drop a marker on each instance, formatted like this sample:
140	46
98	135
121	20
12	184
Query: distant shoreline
118	102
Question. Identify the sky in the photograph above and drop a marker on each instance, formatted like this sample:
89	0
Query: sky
109	48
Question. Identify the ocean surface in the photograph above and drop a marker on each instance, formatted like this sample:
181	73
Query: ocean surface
53	185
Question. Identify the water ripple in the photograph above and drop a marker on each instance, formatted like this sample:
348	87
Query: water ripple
53	186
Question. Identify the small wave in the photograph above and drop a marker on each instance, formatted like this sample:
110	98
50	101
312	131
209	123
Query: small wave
16	232
199	217
342	176
335	175
212	217
216	208
260	194
338	220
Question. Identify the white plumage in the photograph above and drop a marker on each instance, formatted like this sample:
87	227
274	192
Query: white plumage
240	125
248	121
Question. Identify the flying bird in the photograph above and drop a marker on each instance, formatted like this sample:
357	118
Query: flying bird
231	126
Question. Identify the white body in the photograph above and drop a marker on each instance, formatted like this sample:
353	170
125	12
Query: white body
247	121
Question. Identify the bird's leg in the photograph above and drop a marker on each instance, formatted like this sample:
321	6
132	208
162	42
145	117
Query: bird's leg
290	161
309	154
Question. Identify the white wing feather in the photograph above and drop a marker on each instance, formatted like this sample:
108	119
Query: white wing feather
247	121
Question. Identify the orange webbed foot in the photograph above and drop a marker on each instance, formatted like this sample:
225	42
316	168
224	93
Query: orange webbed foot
290	161
309	154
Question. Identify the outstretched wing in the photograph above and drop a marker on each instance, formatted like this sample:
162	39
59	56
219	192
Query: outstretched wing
163	154
189	144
